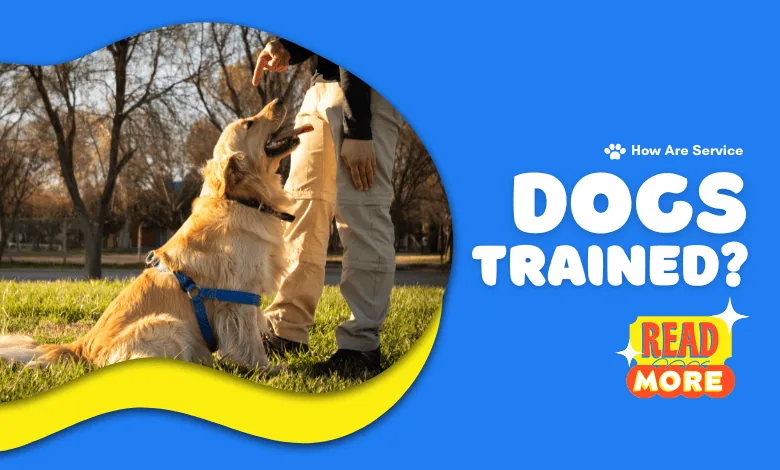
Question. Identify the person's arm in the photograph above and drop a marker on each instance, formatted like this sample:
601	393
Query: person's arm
297	53
357	148
277	55
357	106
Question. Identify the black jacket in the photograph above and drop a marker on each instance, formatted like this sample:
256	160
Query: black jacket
357	94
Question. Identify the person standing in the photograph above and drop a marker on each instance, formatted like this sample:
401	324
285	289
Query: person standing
344	169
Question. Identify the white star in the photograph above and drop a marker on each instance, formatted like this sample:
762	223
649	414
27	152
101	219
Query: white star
629	353
729	316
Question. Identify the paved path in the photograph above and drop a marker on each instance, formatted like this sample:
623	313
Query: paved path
426	277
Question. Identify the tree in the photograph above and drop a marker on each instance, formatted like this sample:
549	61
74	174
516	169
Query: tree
162	181
418	193
132	74
222	61
200	142
19	162
19	171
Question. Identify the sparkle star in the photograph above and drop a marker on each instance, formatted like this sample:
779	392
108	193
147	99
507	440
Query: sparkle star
729	316
629	353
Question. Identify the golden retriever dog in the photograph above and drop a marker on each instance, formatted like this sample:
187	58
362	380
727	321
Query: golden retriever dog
225	244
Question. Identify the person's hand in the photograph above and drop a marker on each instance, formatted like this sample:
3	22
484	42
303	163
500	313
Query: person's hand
359	157
274	57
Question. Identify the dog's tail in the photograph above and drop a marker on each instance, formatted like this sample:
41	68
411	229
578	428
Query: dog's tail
25	350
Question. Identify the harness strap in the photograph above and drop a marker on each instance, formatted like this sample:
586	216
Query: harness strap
194	293
197	295
233	296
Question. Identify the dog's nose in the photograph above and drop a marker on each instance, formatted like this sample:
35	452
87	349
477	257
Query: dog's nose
279	106
279	109
275	110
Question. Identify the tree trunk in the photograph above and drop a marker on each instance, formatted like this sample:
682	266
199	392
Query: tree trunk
140	235
440	244
449	246
3	240
65	242
3	229
398	225
93	244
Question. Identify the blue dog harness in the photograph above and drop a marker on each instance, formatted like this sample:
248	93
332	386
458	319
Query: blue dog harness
198	294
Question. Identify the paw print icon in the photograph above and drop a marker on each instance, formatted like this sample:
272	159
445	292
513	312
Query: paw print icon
614	151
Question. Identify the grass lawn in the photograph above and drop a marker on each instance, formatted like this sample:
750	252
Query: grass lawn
60	312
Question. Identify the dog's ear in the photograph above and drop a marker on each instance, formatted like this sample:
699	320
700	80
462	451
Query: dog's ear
224	174
234	172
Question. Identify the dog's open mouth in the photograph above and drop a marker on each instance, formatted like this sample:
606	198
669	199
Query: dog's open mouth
283	142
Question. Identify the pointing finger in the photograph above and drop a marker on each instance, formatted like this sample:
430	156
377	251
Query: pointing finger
262	63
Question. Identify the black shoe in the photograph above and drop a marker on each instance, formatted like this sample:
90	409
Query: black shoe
279	345
348	362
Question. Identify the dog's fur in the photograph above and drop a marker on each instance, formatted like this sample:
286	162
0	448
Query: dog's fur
223	244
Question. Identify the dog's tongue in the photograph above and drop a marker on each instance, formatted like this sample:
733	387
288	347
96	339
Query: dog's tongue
288	133
303	129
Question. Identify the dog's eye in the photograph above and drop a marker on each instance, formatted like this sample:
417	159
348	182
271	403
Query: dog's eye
248	124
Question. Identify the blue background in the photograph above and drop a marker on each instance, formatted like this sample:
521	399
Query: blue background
525	376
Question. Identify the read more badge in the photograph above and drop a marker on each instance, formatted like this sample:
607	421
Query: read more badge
681	355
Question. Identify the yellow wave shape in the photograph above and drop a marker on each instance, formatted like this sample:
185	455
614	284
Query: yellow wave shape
214	396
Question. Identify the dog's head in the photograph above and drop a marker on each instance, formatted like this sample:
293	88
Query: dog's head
247	156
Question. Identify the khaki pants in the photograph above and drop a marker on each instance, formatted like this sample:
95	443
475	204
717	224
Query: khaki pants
322	187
